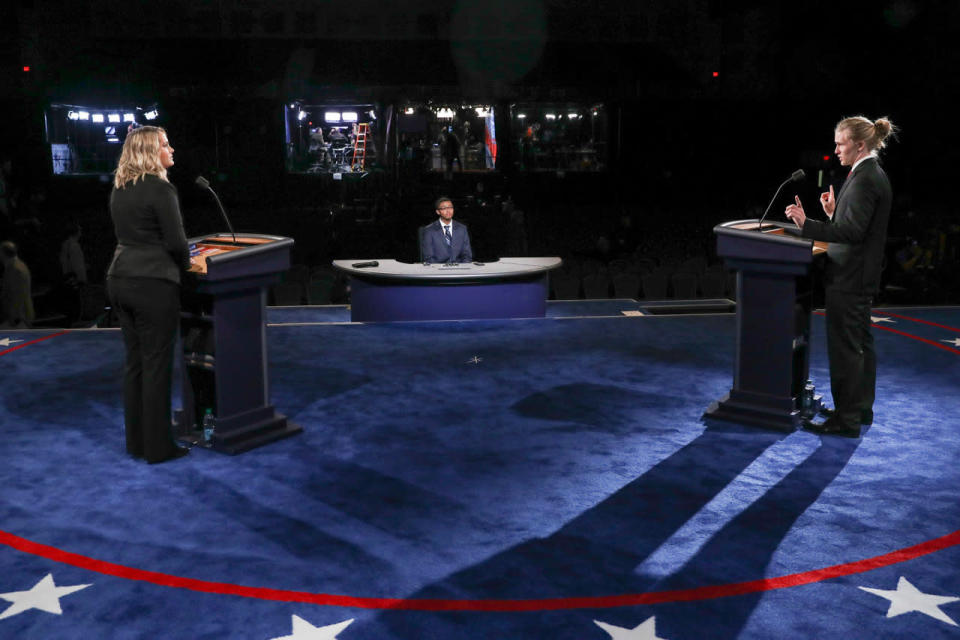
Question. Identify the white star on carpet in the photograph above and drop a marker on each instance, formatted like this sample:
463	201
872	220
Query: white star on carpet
876	319
44	595
303	630
475	360
955	342
644	631
906	598
6	342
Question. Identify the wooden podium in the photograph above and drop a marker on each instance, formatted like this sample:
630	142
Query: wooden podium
224	341
774	301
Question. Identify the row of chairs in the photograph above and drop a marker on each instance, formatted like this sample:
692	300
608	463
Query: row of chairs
713	283
304	285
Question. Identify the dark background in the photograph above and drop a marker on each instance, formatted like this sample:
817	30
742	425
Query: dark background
688	148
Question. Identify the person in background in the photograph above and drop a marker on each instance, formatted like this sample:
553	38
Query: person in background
857	232
73	267
143	283
16	301
445	241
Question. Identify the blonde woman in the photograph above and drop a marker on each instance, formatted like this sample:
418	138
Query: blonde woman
143	282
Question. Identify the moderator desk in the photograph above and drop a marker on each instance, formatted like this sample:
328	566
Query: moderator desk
395	291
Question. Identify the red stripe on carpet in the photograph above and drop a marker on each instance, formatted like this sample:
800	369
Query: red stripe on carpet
932	324
27	344
542	604
910	335
913	337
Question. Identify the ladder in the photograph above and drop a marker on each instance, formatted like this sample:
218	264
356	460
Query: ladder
360	147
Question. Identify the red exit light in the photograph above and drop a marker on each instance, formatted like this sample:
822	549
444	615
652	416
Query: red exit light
716	74
26	69
826	158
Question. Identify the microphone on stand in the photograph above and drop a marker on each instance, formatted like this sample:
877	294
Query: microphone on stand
203	183
796	176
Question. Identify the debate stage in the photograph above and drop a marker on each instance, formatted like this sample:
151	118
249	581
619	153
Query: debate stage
523	478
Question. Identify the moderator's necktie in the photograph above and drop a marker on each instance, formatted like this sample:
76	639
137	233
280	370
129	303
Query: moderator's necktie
446	235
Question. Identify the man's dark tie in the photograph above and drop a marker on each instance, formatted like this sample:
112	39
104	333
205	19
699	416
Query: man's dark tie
446	234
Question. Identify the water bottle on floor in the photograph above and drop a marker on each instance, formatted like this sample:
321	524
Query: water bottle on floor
208	426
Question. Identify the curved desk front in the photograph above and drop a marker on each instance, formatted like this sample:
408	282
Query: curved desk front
394	291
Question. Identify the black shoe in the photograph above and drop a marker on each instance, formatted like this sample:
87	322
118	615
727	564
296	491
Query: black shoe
833	427
866	417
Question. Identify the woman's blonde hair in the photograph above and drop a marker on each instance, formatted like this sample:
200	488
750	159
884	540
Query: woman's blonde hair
140	156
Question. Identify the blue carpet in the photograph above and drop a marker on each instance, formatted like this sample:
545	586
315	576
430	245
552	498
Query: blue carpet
486	479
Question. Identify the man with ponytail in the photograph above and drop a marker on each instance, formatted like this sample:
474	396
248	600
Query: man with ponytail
856	228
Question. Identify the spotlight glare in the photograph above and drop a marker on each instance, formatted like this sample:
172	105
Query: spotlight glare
408	111
521	116
302	115
551	116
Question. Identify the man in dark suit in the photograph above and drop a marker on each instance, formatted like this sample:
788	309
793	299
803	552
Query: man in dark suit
445	240
856	230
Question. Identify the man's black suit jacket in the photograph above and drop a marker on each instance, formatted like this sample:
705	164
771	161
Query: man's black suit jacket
858	231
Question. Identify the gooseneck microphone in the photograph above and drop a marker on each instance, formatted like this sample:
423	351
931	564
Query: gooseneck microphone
203	183
796	176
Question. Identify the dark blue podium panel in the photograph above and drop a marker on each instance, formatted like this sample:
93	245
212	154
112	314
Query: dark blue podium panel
386	302
773	322
224	340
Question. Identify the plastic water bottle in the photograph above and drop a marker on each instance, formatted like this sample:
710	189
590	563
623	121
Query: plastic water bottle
208	425
808	392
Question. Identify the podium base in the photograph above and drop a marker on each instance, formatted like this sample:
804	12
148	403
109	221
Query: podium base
244	432
777	414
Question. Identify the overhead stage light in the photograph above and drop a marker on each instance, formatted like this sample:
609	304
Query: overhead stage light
73	115
97	117
408	111
151	115
331	116
349	116
521	116
302	115
83	115
551	116
113	117
128	117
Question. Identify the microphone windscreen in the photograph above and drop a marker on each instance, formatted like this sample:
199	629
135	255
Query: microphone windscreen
202	182
798	175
